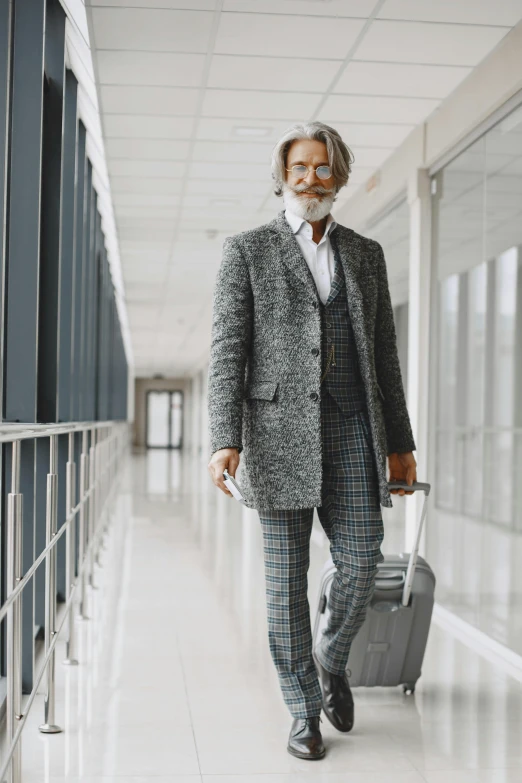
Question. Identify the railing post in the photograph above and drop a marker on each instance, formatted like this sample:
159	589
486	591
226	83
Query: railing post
14	613
100	488
70	549
92	503
84	483
49	726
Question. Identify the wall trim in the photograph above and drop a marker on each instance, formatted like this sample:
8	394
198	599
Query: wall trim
496	653
482	128
383	213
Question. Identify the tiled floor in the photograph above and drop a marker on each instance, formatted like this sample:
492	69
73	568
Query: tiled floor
176	685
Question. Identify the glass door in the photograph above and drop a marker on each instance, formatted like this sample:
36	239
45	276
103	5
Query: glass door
164	419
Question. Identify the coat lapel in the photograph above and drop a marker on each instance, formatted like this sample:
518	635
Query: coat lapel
338	279
290	252
345	251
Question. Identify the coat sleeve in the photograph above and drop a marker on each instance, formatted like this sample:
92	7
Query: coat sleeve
399	434
232	315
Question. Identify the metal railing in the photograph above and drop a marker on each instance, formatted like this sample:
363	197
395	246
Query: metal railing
103	444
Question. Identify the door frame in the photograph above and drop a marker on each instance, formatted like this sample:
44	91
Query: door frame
170	392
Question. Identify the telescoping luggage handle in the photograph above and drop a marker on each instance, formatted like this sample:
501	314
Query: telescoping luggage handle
410	573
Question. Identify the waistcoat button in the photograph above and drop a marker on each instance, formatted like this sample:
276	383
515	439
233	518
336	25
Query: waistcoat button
314	396
315	351
329	324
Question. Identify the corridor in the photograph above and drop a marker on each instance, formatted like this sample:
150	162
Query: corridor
176	685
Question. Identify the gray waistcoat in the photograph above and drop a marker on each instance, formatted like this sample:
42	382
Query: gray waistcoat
343	378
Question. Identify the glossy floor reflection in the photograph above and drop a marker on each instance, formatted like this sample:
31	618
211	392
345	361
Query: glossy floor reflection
176	684
479	574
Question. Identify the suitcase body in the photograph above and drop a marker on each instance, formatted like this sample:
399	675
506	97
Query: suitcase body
389	647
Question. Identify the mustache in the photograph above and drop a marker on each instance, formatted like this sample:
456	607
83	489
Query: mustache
310	189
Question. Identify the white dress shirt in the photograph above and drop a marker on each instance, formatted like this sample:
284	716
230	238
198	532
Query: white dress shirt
319	257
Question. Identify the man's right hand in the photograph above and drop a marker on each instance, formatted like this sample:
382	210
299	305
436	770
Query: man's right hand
221	459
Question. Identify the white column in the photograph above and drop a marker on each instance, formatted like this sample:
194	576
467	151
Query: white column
420	270
196	416
205	435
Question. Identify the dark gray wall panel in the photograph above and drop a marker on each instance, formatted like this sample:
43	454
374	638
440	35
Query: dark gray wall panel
76	352
67	251
49	309
23	247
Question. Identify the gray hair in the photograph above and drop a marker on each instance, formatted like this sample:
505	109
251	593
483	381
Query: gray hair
340	156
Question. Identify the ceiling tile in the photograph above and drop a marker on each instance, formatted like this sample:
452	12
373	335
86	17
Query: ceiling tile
227	187
147	149
143	127
362	8
367	109
144	212
253	172
205	201
195	5
286	36
166	69
271	73
216	151
146	222
143	233
158	101
146	273
360	134
246	103
145	185
417	42
158	252
147	255
217	218
223	129
122	200
503	12
151	29
423	81
147	168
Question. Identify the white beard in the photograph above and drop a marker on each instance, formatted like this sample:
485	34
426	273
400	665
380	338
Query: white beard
307	208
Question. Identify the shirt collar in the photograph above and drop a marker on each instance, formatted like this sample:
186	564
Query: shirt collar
296	223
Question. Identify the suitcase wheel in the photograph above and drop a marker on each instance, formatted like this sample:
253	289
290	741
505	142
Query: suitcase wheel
408	688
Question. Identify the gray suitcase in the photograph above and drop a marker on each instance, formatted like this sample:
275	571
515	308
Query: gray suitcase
389	646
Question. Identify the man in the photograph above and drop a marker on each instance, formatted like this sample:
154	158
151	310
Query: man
304	379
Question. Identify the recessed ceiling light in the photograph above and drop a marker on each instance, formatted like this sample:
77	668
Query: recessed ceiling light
239	130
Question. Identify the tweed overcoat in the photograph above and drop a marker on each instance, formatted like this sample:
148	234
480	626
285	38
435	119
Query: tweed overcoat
264	380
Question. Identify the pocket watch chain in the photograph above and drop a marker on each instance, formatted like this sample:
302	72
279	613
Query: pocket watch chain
329	361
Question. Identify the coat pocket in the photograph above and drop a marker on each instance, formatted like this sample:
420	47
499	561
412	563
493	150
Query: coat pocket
261	390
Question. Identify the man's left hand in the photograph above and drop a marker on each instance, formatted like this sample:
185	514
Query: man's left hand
402	467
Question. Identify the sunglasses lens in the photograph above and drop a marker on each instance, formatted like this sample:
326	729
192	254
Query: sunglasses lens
323	172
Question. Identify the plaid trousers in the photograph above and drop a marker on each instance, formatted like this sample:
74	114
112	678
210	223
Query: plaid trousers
351	518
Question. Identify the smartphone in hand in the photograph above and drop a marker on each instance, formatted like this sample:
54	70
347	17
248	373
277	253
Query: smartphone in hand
232	485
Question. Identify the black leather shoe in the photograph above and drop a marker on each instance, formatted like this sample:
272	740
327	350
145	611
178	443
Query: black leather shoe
337	698
305	739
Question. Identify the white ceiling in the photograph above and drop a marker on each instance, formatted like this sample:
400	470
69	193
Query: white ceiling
177	79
